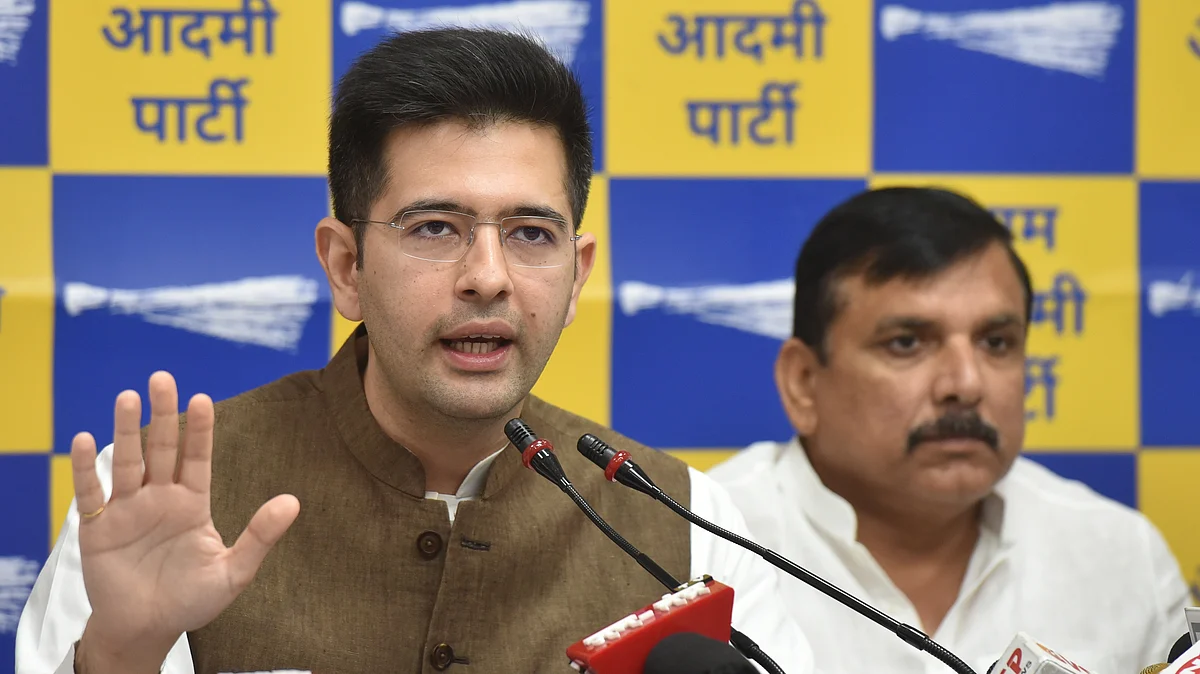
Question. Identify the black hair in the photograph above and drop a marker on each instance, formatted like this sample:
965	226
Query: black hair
888	233
476	76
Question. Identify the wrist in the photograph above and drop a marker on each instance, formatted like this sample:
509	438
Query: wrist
93	655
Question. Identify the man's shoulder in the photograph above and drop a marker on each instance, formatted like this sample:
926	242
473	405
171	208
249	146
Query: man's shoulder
1043	493
749	466
295	388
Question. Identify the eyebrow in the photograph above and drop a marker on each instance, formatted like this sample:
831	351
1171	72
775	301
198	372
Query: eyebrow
526	209
915	324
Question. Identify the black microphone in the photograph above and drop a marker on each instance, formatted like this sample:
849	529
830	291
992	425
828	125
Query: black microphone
538	454
1182	644
691	653
619	467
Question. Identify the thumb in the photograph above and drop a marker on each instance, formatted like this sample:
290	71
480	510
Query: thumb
265	529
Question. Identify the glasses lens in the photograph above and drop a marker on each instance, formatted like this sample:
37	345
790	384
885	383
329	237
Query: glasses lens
537	242
435	235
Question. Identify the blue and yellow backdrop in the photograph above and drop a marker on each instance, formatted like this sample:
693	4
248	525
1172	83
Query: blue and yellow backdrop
162	168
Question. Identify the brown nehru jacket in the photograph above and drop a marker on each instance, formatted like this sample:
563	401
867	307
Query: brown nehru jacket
373	578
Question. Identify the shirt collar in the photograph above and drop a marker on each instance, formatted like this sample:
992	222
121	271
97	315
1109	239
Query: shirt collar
472	484
834	514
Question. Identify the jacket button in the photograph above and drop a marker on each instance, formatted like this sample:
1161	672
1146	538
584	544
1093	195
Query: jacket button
429	544
441	657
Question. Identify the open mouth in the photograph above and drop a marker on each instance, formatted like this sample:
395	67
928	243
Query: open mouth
476	345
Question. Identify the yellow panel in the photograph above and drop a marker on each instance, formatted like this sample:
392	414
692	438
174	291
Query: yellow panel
578	377
96	87
1165	478
341	330
26	312
702	459
62	492
1168	89
691	88
1085	354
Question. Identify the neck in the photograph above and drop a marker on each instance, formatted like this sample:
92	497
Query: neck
893	524
447	448
917	535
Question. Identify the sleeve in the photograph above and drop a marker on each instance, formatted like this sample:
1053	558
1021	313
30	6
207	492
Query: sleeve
758	608
1171	594
57	609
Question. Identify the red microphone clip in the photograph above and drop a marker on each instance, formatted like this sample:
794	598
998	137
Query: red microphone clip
532	450
610	471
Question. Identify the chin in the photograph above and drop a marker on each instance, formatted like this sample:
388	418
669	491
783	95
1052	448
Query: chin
476	405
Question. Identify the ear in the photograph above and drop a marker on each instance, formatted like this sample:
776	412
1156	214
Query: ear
585	259
337	252
796	371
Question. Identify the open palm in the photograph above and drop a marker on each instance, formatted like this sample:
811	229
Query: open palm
154	565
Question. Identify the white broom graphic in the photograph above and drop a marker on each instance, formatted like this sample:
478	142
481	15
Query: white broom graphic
14	21
559	24
1072	37
267	311
758	308
17	576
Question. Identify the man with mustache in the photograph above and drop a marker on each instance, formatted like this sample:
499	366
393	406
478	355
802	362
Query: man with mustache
905	383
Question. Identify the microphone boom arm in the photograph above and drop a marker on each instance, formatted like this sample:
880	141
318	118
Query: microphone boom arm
619	468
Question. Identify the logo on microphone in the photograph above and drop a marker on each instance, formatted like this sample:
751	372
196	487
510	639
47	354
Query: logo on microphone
1190	667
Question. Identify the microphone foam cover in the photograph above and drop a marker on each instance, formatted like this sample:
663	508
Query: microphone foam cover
1181	645
692	653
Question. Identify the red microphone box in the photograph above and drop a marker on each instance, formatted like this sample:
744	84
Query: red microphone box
703	606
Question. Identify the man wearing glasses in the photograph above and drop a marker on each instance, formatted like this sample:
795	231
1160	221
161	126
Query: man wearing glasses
370	516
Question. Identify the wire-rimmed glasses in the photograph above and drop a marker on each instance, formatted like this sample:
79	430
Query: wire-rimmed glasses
533	241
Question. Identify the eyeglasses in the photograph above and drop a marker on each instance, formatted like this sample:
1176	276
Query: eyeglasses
444	236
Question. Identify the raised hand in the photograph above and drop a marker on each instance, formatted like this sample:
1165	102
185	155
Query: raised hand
153	563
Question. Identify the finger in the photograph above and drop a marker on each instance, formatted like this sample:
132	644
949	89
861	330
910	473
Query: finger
89	495
127	444
162	439
264	531
195	464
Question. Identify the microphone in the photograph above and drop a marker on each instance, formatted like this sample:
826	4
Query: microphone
537	453
1180	647
1187	662
691	653
619	467
1026	655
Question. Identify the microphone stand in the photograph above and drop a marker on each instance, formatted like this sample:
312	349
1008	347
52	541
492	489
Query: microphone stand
537	453
618	467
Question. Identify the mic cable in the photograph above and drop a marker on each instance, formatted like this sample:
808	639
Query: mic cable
619	467
538	454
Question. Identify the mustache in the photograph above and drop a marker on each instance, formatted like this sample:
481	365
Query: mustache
444	323
955	425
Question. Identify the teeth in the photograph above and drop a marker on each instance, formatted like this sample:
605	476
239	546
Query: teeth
474	347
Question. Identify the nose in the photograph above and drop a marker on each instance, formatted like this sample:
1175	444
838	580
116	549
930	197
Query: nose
960	377
483	273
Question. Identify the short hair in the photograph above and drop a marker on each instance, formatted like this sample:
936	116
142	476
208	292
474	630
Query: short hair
884	234
472	75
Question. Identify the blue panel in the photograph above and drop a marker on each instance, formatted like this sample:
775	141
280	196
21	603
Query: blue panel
950	98
24	85
1170	311
577	41
140	235
1112	475
681	377
24	538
